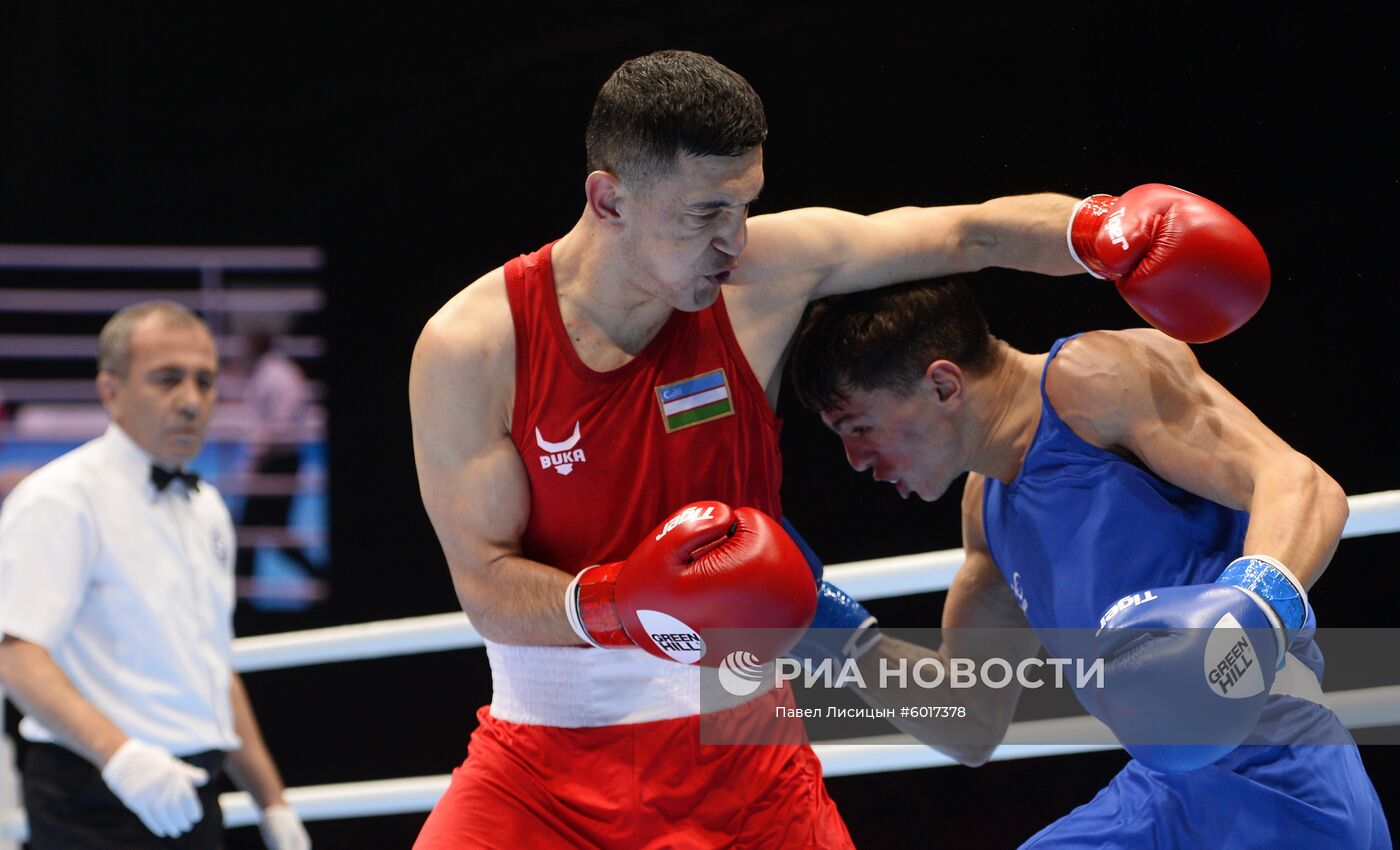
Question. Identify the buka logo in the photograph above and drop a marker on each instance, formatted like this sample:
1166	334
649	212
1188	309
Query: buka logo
562	456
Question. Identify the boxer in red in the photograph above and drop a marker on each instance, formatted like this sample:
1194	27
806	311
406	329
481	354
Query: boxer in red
567	403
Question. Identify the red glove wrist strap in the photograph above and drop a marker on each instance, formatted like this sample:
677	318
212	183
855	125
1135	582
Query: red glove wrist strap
1084	226
597	606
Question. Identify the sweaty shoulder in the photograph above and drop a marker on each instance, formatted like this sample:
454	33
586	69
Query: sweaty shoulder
467	349
1101	383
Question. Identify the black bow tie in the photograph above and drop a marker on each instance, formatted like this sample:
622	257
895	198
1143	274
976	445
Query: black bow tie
161	477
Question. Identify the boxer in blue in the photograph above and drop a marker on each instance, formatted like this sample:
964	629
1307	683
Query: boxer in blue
1119	494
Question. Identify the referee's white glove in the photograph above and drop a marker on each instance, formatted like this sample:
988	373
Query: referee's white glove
155	785
282	830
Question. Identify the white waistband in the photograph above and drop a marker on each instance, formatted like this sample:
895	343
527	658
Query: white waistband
575	687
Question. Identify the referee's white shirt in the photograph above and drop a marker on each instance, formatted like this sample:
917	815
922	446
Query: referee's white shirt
131	591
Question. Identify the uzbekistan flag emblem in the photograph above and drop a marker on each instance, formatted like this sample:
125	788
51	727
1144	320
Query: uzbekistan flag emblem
694	400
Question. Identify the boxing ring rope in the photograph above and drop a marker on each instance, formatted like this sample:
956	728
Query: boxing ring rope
1372	513
1358	709
878	578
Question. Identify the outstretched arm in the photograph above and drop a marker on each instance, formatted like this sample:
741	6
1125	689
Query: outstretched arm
800	255
845	252
1184	263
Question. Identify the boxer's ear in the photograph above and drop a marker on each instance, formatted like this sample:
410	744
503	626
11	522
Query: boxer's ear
605	194
946	384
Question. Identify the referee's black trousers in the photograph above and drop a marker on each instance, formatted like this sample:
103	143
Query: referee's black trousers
70	808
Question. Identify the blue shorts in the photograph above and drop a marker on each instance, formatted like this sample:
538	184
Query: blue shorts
1307	796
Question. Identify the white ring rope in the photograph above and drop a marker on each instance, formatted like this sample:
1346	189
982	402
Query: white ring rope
901	575
1358	709
1373	513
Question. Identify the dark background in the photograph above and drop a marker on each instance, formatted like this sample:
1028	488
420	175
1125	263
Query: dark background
424	146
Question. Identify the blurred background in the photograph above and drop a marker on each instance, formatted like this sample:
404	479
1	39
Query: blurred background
343	175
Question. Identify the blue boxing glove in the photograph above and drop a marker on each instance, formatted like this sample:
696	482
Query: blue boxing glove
841	628
1187	669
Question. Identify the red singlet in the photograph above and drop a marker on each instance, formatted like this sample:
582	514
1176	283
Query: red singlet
609	456
604	468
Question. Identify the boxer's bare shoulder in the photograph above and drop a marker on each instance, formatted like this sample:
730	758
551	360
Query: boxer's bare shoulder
1102	383
465	356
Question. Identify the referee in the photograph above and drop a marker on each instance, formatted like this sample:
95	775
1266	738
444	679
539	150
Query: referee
116	603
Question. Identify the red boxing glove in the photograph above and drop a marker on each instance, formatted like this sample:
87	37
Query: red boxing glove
708	566
1185	264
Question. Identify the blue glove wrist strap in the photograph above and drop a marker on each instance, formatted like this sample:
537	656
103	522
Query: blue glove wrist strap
1274	584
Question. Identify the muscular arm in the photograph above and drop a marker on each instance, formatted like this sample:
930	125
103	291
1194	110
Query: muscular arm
800	255
39	686
847	252
251	766
1026	232
1143	394
981	620
472	480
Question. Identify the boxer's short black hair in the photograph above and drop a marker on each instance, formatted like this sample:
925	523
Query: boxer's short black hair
667	103
885	338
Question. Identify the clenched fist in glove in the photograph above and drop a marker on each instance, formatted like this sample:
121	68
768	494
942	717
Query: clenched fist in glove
1185	264
707	567
1187	670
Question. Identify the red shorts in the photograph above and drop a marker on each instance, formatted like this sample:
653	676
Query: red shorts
643	786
